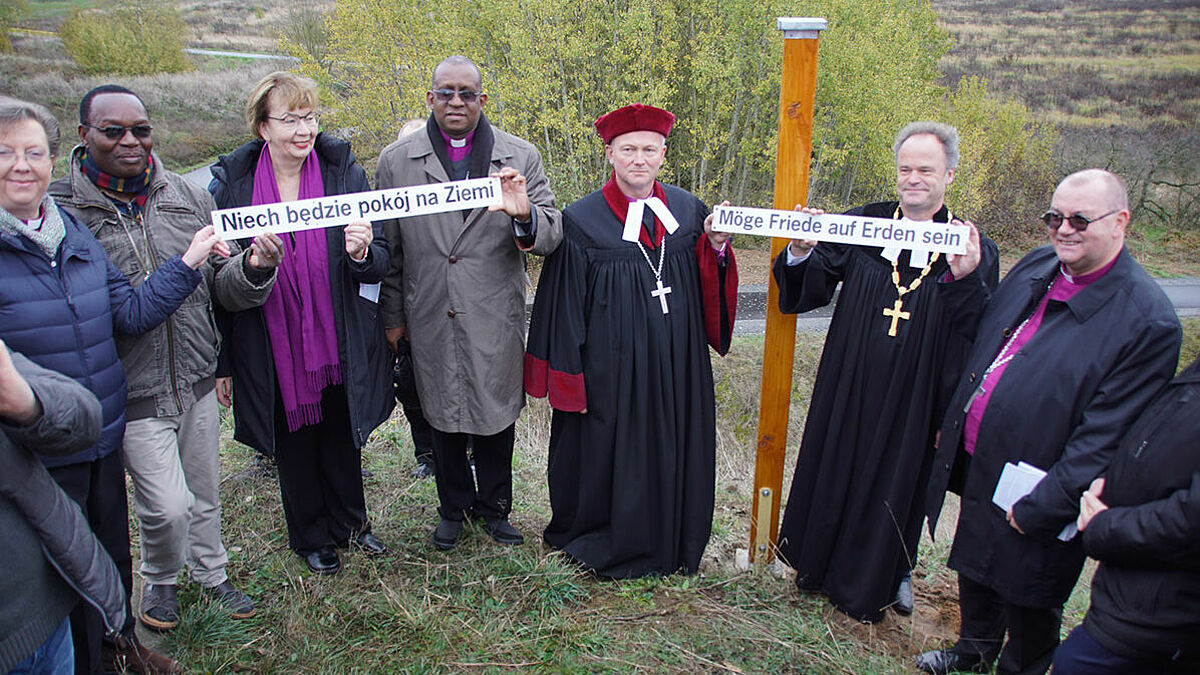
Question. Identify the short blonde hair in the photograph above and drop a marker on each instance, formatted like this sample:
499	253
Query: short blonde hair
294	90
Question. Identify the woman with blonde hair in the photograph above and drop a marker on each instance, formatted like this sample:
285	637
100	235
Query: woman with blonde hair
310	368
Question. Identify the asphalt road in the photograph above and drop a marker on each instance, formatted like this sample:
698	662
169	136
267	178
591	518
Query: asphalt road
1183	292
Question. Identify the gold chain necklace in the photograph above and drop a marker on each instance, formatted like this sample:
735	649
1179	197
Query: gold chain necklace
894	312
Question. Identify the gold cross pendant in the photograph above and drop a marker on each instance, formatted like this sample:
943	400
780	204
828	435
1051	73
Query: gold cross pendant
896	315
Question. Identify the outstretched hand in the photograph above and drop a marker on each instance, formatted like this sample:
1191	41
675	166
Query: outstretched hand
512	189
358	238
17	402
205	243
716	239
800	247
266	251
964	264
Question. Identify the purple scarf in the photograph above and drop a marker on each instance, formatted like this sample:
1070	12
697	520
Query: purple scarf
299	310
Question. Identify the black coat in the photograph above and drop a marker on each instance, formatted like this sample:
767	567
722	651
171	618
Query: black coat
1063	404
362	349
1146	593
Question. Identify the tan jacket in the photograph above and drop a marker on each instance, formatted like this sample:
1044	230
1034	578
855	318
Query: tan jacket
169	368
459	287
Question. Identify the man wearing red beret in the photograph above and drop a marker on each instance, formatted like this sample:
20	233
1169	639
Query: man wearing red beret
618	340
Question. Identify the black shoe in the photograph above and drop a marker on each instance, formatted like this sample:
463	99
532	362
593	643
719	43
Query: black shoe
942	661
370	545
238	604
503	532
904	597
424	468
323	560
445	537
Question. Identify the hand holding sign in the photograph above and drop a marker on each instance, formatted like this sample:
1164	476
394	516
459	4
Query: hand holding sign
358	237
515	200
962	265
265	252
716	239
205	243
800	247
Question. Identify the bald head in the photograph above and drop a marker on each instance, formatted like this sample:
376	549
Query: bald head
1099	198
1106	185
458	60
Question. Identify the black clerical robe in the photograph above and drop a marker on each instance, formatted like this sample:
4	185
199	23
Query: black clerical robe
855	509
632	478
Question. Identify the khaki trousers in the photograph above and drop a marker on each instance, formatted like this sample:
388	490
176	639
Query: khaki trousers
173	462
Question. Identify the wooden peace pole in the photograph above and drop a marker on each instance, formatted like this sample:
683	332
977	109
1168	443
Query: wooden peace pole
796	97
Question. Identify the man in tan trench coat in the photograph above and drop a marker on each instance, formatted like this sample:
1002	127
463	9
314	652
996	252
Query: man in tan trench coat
456	292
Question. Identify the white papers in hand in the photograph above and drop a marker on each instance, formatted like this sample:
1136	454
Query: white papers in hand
1018	480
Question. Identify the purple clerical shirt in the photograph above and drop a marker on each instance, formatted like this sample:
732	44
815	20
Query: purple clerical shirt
1063	288
457	153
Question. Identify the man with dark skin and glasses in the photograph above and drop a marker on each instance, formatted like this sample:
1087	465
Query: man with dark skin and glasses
455	294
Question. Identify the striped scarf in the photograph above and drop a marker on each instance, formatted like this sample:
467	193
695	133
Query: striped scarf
135	186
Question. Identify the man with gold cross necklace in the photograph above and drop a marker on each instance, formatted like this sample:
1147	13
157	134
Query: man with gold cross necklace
618	341
891	357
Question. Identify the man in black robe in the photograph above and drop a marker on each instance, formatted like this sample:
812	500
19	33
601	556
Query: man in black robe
625	311
854	515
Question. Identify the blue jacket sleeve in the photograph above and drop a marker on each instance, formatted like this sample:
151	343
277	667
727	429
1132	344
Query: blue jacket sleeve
137	310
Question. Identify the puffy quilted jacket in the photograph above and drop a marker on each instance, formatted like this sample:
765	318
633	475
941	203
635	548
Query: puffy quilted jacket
63	313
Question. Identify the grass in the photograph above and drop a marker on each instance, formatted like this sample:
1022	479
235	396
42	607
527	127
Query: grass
486	608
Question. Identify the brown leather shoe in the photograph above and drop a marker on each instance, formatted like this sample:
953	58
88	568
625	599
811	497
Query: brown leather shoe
127	655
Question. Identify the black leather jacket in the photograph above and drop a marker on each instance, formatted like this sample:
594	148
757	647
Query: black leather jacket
1146	592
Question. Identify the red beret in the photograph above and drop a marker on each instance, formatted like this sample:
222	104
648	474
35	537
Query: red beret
636	117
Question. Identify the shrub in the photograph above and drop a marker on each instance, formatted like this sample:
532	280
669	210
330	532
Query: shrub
11	11
1007	171
141	37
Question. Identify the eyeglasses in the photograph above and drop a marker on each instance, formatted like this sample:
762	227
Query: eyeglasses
1079	223
292	120
447	95
32	155
116	132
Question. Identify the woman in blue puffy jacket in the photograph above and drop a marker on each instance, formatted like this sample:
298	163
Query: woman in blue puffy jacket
61	302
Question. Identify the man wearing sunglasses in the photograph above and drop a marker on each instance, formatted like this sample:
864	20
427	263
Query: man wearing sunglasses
1072	346
142	214
456	293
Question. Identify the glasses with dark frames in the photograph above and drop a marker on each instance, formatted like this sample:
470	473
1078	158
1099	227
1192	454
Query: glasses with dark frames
447	95
1077	222
116	132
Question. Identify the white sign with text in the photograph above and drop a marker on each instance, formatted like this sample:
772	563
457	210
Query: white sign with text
885	233
307	214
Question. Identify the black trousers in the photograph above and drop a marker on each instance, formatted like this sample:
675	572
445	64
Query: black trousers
1032	631
457	491
99	489
422	431
320	477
